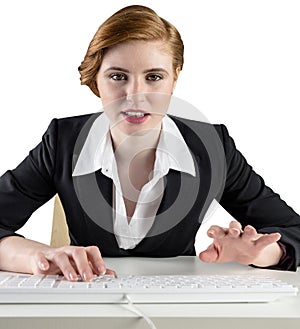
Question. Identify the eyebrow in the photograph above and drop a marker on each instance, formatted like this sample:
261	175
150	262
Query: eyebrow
154	69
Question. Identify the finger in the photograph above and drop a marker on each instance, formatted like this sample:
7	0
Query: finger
111	272
81	260
235	228
41	262
235	224
250	233
62	261
94	256
267	239
216	232
209	255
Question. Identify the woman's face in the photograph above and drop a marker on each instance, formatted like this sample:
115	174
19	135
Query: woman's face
135	82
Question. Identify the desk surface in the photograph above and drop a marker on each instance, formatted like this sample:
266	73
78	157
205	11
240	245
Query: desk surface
283	312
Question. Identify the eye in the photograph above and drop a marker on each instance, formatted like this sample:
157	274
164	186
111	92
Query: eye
118	76
154	77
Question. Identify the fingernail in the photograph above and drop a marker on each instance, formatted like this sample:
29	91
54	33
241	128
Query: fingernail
102	270
72	277
87	276
42	266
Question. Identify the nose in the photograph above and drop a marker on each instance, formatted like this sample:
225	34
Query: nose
135	91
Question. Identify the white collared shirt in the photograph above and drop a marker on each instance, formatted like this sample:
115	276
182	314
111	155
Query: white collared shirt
171	153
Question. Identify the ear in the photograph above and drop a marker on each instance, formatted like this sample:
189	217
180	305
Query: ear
178	70
176	77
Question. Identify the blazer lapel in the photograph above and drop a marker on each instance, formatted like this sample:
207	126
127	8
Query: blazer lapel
94	192
180	196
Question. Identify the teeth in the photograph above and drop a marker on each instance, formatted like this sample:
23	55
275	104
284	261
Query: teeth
135	114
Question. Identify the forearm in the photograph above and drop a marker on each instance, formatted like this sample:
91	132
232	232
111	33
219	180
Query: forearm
17	254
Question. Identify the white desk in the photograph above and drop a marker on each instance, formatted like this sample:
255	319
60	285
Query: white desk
283	313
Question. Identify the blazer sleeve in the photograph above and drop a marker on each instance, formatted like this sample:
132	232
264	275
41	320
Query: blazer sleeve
250	201
28	186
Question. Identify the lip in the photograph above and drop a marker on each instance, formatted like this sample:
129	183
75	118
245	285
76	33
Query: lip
135	119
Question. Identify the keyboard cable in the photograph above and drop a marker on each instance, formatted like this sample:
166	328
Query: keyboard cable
137	311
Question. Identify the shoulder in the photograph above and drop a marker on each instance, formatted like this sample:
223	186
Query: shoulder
189	128
75	123
206	138
70	127
65	131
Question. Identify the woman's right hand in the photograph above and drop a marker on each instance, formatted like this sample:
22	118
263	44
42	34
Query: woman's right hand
70	261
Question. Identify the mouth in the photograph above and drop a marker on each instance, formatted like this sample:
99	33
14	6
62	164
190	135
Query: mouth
135	116
135	113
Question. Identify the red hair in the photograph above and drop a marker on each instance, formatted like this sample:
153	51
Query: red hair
130	23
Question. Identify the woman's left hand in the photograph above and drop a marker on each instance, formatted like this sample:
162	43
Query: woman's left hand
245	247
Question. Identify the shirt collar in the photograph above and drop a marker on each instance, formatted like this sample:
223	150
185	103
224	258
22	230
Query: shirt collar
172	151
97	152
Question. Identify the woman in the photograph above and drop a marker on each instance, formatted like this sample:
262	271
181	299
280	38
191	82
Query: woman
134	181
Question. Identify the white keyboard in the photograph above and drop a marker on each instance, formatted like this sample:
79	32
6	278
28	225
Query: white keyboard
23	288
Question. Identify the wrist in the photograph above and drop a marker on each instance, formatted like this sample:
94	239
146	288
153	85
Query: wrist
269	256
18	254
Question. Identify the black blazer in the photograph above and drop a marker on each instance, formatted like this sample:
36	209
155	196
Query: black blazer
222	173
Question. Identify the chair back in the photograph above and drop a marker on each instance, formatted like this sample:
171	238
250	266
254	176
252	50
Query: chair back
60	233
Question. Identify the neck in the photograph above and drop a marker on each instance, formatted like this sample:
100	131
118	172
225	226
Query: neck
140	146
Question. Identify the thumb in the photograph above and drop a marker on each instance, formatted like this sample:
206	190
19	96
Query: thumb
42	262
209	255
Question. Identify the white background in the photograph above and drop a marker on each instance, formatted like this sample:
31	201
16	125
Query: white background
241	68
